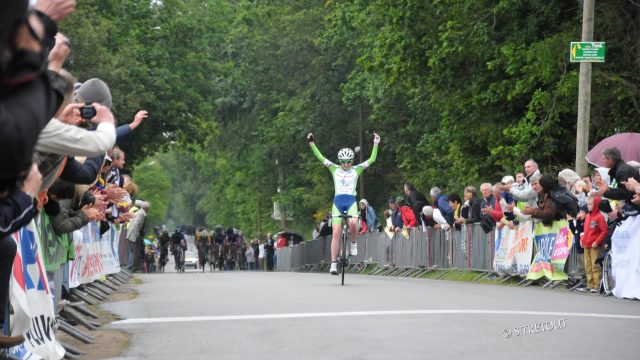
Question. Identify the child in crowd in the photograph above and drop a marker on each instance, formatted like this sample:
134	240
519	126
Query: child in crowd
508	218
595	231
408	218
600	178
577	228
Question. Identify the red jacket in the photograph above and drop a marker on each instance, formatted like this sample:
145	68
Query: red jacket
408	218
595	227
496	213
281	242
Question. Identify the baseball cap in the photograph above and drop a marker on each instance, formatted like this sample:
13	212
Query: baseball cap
507	179
94	90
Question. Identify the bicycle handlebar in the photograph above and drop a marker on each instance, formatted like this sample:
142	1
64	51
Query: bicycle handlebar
345	216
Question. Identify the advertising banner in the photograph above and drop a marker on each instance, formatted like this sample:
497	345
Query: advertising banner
32	302
87	266
625	259
552	250
109	250
514	248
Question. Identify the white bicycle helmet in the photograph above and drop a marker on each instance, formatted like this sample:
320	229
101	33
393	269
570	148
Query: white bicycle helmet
346	154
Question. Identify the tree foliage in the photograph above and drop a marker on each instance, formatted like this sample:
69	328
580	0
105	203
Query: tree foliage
461	92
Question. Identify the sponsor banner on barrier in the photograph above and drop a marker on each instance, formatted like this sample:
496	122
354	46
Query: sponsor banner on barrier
552	249
514	248
32	301
87	266
625	259
55	249
109	250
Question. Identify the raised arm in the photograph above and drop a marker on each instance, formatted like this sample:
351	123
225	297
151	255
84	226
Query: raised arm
374	154
317	152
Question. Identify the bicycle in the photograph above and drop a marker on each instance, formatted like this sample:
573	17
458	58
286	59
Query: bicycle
202	257
208	257
343	251
211	257
163	259
179	258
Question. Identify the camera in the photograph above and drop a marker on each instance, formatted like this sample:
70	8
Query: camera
87	199
88	112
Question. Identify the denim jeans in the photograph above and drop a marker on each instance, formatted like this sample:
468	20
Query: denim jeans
131	247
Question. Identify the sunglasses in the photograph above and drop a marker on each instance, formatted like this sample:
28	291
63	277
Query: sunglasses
346	161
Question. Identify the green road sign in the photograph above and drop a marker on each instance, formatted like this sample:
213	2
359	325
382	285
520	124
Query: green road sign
587	51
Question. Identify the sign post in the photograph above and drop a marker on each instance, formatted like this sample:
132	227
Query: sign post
587	51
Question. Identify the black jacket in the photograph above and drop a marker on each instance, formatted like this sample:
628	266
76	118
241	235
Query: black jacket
621	172
16	210
29	96
417	201
78	173
472	212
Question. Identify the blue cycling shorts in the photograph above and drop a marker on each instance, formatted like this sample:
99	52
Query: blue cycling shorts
342	203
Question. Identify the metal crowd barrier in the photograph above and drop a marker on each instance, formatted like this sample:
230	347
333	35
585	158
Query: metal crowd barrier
468	248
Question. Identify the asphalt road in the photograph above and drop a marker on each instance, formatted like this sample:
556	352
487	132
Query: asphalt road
259	315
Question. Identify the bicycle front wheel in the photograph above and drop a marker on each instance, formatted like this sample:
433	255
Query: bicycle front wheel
344	256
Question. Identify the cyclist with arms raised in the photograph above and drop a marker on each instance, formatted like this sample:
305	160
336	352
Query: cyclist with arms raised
345	179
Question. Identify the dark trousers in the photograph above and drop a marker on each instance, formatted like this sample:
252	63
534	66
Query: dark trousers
138	254
8	250
269	258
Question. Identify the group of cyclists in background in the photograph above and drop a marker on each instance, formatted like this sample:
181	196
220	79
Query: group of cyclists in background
217	249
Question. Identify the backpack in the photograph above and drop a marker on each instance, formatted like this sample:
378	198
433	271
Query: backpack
565	201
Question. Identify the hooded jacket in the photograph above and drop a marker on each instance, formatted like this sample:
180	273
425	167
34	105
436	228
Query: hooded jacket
604	174
371	218
595	227
408	219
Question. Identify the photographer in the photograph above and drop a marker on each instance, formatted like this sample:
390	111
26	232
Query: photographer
65	135
31	91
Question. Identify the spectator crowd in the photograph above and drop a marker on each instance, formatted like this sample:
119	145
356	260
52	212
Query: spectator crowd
594	205
58	138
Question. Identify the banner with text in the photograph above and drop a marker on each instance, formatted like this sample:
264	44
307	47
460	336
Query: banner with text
514	248
87	266
109	250
32	302
552	249
625	259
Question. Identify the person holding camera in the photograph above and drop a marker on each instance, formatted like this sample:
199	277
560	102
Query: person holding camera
69	135
31	91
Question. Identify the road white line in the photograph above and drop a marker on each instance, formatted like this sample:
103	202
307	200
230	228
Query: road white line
364	313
